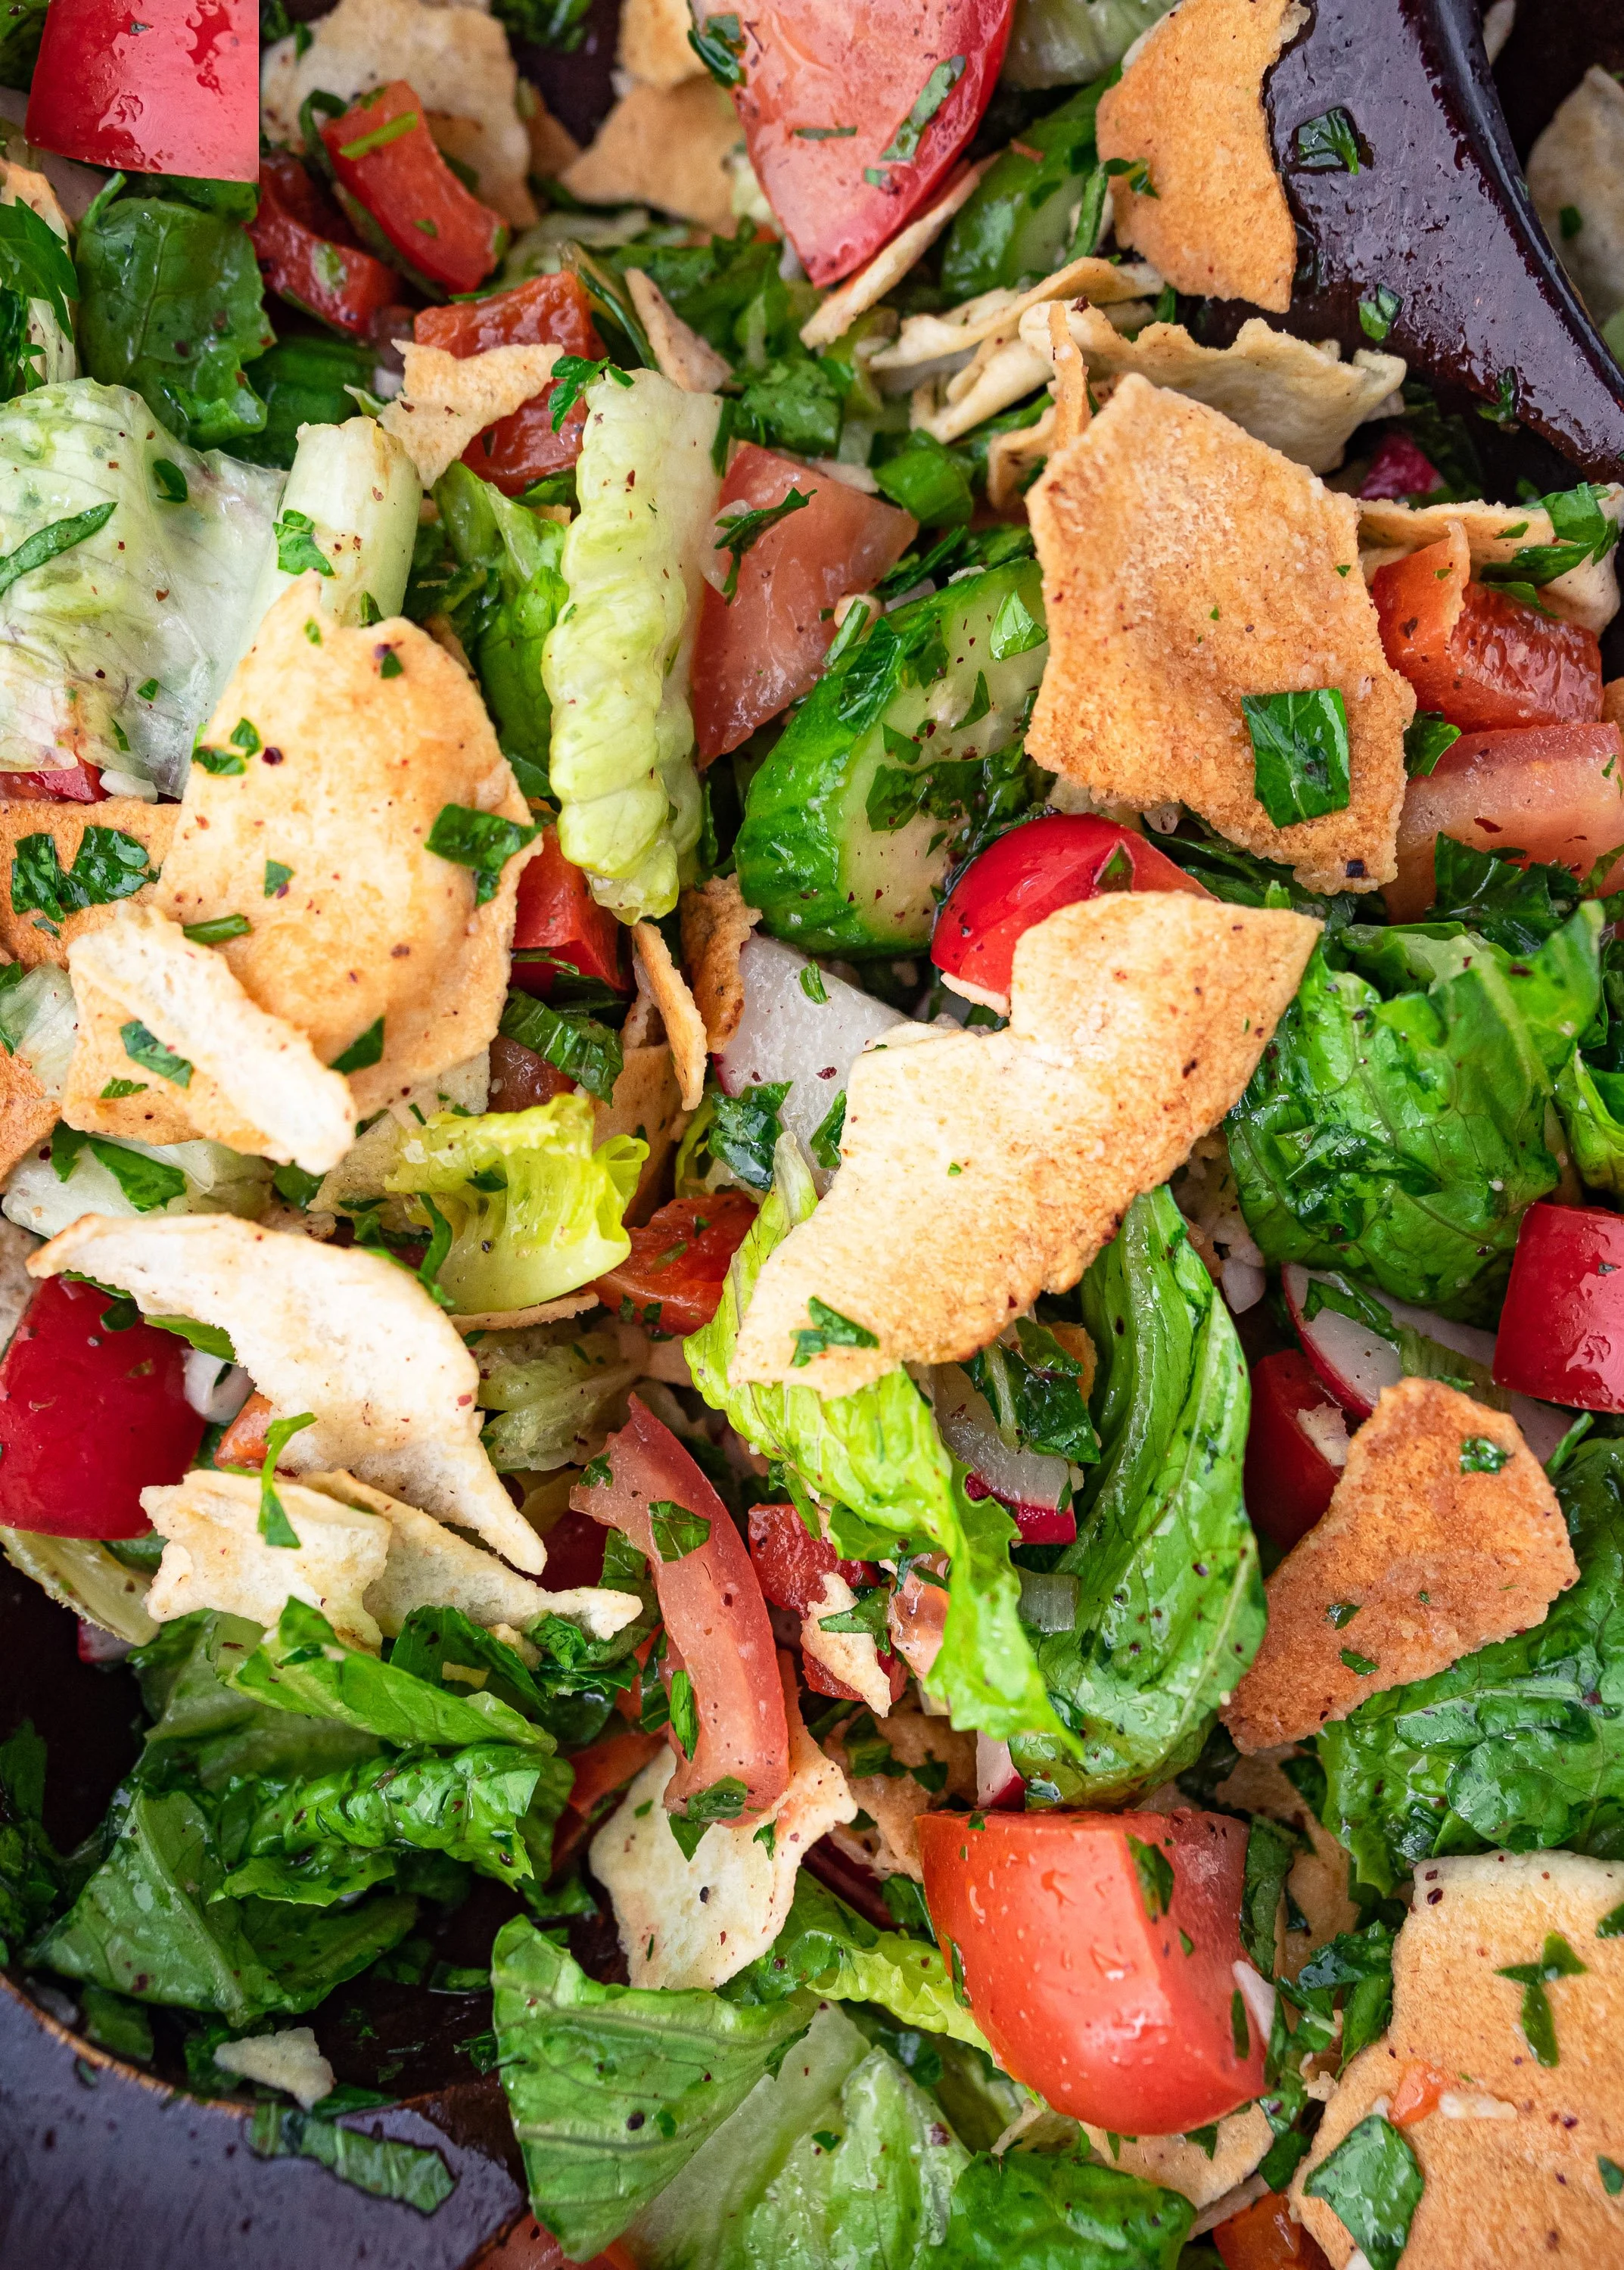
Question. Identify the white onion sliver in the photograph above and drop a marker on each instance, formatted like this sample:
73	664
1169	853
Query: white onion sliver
215	1390
1018	1477
1259	1996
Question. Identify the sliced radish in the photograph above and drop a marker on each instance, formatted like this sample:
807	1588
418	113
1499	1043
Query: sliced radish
998	1787
1030	1484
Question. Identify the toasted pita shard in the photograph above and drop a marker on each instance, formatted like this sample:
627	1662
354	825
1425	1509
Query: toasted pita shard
1013	459
1319	1880
369	924
695	1923
1190	105
1577	164
1429	1550
445	400
328	1329
288	2059
659	977
653	43
1301	398
1184	566
1514	2155
1002	371
214	1556
894	1802
23	937
868	286
929	338
1185	2166
1587	595
27	1114
646	1102
715	922
852	1658
256	1084
457	63
980	1171
665	147
680	355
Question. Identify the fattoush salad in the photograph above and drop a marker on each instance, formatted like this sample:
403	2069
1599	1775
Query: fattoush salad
813	1121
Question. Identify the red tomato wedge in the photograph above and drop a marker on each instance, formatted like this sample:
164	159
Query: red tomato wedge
679	1262
1554	794
559	921
384	157
308	254
78	784
760	652
545	311
245	1442
854	110
792	1564
1288	1477
1561	1331
1263	2236
89	1417
172	87
1085	1993
1031	872
521	1079
599	1770
1479	657
1399	468
716	1619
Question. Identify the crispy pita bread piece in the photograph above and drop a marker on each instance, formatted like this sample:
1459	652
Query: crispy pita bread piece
1185	2166
666	147
1319	1880
1443	1534
327	1329
214	1556
27	1114
1587	595
1190	105
927	338
1186	565
445	400
23	937
979	1170
679	353
1577	164
653	43
890	264
1513	2154
321	844
647	1103
659	977
251	1080
894	1802
715	922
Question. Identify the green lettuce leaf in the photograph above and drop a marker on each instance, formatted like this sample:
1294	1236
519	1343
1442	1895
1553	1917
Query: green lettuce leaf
32	1877
510	556
1514	906
209	1730
383	2166
1592	1103
1400	1129
554	1398
1028	2211
613	2089
879	1454
1170	1608
1521	1744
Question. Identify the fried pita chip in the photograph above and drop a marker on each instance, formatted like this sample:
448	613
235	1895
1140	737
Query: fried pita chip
445	400
1301	398
552	145
1587	595
253	1080
27	1114
648	1103
850	1657
1186	565
1319	1876
1442	1535
929	338
1183	2165
1214	219
695	1923
1578	166
666	147
979	1170
659	977
1014	459
679	353
288	2059
1515	2152
328	1329
457	62
23	937
215	1557
653	43
359	935
1004	370
890	264
894	1802
715	922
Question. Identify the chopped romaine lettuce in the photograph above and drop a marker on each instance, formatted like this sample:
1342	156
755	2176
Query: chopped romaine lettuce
1591	1102
384	2166
31	1874
39	1022
97	1174
510	557
1055	42
1032	2210
213	1733
81	1575
555	1397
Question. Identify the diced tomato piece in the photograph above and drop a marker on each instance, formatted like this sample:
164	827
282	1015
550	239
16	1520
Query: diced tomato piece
1479	657
559	919
384	157
89	1417
1561	1331
547	311
1399	468
1288	1477
761	650
77	784
306	253
1263	2236
1554	794
599	1770
679	1262
245	1442
1116	2008
904	91
531	2245
1419	2087
172	91
1029	873
716	1623
521	1079
792	1563
1039	1524
575	1551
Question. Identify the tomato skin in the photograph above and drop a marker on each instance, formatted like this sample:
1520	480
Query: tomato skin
306	257
406	181
1481	658
175	91
78	784
1399	468
1288	1479
521	1079
606	1766
1081	1994
89	1417
557	915
1263	2236
675	1268
1557	792
547	311
1561	1331
1028	874
792	1564
862	64
245	1442
755	657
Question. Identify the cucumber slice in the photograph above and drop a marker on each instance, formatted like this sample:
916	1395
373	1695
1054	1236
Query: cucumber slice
1020	222
852	823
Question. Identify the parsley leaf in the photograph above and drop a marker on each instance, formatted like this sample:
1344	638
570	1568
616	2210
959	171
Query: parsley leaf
107	865
571	374
274	1525
297	549
904	143
578	1045
1155	1870
147	1182
1426	737
677	1530
362	1053
1300	753
482	840
1328	143
829	1329
1373	2184
741	531
144	1048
